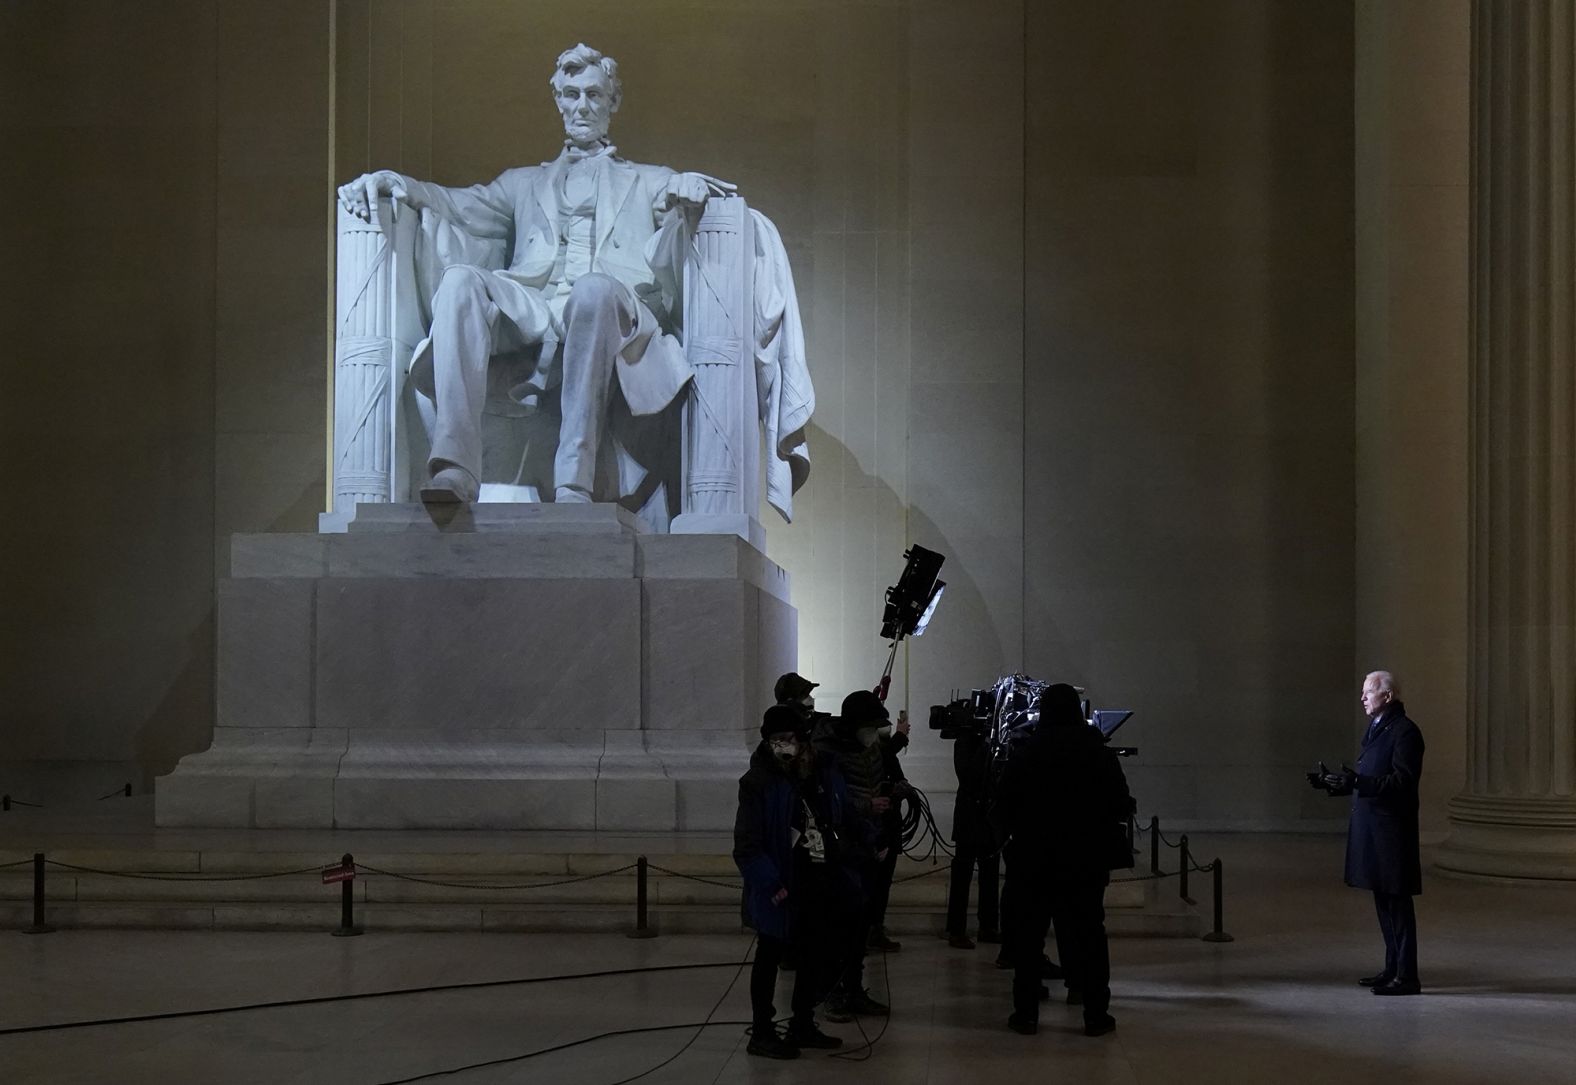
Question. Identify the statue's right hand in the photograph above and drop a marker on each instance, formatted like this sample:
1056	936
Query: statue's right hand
361	195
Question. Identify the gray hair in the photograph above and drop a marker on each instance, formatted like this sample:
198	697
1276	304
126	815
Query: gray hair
1386	682
576	60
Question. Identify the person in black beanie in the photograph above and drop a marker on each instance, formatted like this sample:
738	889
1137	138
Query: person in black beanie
893	741
787	843
853	741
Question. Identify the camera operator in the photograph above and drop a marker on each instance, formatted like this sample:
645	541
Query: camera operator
1065	797
787	836
971	839
853	741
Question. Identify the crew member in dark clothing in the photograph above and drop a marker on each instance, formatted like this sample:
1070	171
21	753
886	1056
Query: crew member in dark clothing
786	836
852	740
798	692
1381	841
1066	799
972	844
892	742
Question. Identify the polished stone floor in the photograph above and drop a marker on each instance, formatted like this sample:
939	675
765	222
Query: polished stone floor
1277	1004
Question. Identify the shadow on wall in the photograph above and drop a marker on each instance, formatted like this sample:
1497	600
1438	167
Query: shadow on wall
182	722
861	515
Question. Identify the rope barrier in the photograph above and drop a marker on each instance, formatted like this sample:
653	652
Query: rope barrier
182	877
514	885
696	878
19	862
6	802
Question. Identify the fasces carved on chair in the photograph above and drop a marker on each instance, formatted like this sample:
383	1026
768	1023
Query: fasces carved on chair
586	329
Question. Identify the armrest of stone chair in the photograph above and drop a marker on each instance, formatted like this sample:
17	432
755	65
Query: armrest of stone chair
722	415
387	271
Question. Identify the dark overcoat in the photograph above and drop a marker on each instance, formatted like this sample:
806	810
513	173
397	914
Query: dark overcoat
1381	841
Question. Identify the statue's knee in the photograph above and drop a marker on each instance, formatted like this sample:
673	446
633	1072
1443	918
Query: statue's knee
595	290
460	286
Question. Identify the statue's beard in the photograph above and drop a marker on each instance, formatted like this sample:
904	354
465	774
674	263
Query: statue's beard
584	131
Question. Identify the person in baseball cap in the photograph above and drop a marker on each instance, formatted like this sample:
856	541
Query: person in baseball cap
792	687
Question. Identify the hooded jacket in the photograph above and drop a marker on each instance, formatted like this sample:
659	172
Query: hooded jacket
763	839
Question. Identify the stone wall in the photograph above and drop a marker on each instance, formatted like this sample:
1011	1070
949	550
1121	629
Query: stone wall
1077	281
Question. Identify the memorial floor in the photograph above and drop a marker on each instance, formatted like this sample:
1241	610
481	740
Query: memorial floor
1279	1003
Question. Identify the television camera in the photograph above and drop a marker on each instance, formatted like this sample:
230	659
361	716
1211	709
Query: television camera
996	722
1007	713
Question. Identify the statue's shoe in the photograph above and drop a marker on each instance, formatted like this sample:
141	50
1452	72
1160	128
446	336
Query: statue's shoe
450	486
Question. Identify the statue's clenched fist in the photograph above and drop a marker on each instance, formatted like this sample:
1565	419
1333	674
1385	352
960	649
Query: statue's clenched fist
361	195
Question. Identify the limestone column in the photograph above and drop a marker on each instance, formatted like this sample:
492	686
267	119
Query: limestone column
1517	816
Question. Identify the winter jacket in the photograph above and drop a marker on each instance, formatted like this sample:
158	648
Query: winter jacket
769	799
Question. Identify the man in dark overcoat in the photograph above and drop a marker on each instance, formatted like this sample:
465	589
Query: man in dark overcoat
1381	840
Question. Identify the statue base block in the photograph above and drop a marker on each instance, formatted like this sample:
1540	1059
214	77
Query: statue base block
498	667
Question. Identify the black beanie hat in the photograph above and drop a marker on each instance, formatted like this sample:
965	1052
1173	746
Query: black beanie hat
780	719
862	708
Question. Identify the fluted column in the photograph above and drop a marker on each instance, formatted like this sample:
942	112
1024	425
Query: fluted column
1517	816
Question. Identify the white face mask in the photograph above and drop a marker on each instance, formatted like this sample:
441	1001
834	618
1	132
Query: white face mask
867	736
885	730
785	749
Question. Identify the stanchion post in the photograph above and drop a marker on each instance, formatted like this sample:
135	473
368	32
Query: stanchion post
1187	861
1132	832
643	928
128	791
347	901
5	802
1217	868
1154	845
39	926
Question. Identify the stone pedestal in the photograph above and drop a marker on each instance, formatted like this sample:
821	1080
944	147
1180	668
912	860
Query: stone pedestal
511	666
1517	817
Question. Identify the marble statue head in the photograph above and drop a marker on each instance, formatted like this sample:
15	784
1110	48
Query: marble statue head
587	91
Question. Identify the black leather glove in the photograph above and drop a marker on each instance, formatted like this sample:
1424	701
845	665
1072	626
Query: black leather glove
1341	783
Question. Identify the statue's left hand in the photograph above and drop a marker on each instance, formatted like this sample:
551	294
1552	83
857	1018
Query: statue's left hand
695	189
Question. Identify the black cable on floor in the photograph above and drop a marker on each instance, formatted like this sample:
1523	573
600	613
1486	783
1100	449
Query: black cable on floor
321	999
865	1050
563	1047
699	1027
